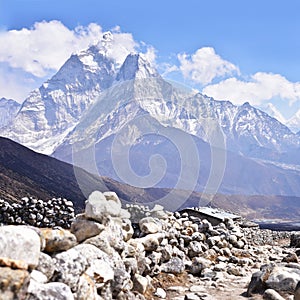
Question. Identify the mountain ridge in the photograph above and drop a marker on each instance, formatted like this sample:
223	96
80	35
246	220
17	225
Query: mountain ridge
8	110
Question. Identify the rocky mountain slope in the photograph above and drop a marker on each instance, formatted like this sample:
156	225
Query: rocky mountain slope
25	173
8	111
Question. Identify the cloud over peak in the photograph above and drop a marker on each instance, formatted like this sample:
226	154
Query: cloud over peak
45	46
205	65
260	88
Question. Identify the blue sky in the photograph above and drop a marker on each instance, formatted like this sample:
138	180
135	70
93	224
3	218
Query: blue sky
253	46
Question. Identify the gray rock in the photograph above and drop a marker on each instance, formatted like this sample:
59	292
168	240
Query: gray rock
71	264
236	270
20	243
257	283
174	266
194	249
295	240
121	282
166	253
198	265
49	291
283	279
212	241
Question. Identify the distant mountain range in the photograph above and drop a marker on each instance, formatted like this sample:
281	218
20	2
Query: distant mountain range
128	123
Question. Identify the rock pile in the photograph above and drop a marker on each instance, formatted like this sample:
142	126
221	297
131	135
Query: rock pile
103	256
38	213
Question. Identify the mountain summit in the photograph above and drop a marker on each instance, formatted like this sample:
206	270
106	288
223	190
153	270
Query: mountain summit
136	66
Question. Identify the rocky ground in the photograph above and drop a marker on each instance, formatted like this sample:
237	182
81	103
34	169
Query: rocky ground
139	253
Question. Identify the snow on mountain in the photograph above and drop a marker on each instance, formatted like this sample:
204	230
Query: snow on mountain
272	111
8	110
51	111
136	66
246	129
294	122
131	123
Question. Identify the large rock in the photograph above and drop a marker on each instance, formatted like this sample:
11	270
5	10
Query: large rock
198	265
174	266
98	206
58	239
111	238
49	291
150	225
84	229
20	243
283	279
71	264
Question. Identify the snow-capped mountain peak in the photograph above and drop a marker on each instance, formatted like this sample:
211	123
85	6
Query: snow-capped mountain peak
294	122
8	110
275	113
136	66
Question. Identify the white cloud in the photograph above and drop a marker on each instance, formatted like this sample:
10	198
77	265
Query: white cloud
45	46
273	111
168	68
16	84
261	88
119	44
150	55
205	65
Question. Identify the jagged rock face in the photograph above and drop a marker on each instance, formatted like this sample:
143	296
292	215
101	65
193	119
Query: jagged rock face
8	111
51	111
136	67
